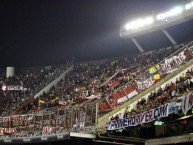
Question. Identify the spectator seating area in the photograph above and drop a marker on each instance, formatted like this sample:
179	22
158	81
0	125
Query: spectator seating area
31	79
103	79
167	94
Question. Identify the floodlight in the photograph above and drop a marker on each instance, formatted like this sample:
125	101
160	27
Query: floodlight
172	12
187	6
176	11
139	23
127	26
161	16
149	20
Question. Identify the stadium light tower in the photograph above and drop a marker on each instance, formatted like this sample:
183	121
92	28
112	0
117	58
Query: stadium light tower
157	22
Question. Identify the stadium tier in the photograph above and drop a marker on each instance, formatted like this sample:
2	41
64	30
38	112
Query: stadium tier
100	94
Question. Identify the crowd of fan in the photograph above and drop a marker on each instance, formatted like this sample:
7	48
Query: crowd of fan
88	79
31	79
172	91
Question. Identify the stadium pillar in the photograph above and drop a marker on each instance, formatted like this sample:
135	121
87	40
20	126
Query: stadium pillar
169	37
138	45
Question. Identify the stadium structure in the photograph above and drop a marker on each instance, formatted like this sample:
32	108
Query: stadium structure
146	99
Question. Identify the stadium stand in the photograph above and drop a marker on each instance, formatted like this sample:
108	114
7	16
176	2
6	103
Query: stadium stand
31	79
108	85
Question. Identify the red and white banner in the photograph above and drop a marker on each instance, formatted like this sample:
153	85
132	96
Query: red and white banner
128	93
15	119
7	130
114	84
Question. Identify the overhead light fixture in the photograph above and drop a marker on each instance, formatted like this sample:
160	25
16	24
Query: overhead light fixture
187	6
139	23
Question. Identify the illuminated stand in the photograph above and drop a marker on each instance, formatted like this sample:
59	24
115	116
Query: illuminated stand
157	22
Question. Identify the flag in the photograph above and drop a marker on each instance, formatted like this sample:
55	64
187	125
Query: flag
154	69
104	105
128	93
156	77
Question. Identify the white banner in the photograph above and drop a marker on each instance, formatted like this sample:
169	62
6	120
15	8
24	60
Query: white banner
173	63
187	103
135	120
145	84
129	96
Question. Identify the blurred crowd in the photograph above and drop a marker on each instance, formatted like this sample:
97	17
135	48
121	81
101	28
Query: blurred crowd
171	92
32	80
99	79
87	81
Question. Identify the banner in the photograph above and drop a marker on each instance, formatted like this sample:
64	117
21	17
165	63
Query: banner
171	64
104	105
154	69
187	103
114	84
7	131
128	93
135	120
145	84
173	107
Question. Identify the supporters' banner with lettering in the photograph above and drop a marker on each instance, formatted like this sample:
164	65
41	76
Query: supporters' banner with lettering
7	130
169	65
21	119
174	62
145	84
128	93
187	103
135	120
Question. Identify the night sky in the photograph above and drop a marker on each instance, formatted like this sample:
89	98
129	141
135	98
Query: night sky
44	32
